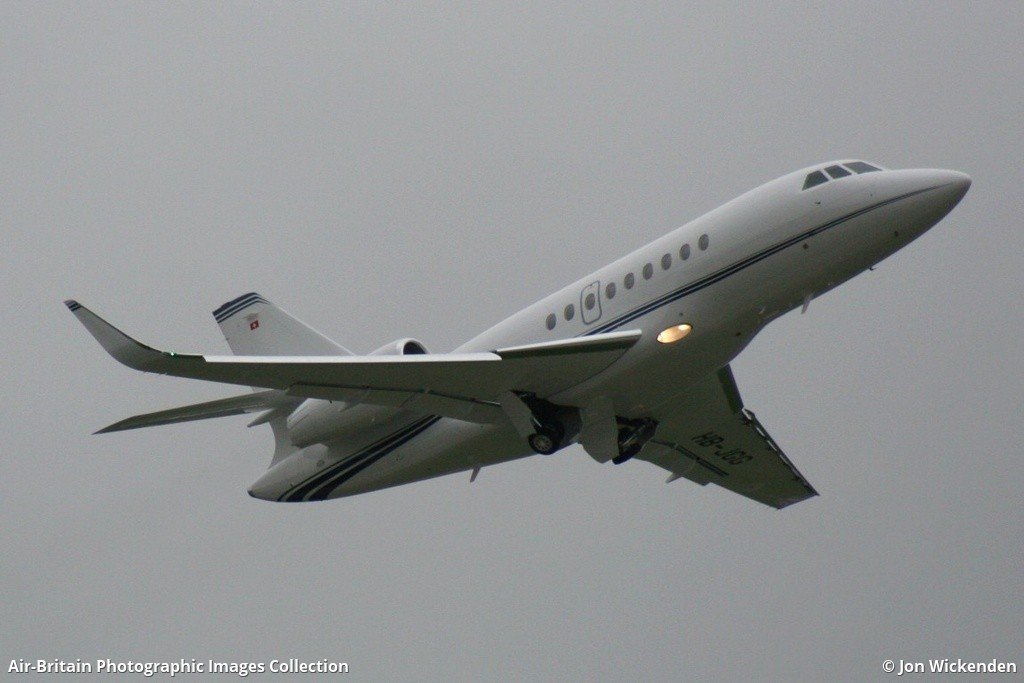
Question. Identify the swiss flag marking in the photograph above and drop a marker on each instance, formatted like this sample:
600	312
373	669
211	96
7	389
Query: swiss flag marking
253	325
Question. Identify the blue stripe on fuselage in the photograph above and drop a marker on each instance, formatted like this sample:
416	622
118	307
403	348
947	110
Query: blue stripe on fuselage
320	484
696	286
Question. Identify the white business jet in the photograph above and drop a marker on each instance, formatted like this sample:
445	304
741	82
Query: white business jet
631	361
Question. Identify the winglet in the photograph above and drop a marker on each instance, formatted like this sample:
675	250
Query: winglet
123	348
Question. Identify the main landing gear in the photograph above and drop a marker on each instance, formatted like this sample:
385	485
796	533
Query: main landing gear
547	439
549	427
546	426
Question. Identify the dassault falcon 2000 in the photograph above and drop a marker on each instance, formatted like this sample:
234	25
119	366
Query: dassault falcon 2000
631	361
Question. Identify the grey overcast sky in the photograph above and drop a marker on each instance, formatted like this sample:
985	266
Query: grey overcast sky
426	170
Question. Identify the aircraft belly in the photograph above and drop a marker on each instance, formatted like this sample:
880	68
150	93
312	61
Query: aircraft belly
319	421
651	371
446	447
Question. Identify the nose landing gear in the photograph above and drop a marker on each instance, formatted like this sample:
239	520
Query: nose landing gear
633	435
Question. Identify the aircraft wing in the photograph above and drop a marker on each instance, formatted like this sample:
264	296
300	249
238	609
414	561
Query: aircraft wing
222	407
468	386
709	437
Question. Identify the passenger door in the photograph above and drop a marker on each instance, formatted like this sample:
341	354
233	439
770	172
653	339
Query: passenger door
590	302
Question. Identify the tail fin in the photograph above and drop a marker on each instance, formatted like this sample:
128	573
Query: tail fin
255	327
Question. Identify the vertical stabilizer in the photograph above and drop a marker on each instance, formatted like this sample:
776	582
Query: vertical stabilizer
255	327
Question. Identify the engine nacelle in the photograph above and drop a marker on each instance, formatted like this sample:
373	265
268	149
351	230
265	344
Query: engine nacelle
320	421
401	347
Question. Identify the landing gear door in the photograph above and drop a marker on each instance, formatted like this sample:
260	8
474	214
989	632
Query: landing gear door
590	302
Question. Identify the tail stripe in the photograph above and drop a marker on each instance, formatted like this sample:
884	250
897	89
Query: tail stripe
234	301
232	307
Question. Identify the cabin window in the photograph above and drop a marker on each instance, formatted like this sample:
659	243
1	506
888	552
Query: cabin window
629	280
648	271
609	290
666	261
589	301
816	178
837	171
684	252
861	167
569	312
703	242
550	322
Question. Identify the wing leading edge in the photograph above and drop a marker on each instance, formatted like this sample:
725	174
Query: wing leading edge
709	437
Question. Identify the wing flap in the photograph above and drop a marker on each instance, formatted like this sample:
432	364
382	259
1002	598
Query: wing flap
679	461
426	403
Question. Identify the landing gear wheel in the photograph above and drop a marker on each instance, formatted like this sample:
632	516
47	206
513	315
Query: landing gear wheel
546	440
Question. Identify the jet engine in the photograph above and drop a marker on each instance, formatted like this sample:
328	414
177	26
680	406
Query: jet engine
401	347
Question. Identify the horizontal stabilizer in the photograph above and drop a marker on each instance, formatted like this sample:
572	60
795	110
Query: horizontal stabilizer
235	405
475	378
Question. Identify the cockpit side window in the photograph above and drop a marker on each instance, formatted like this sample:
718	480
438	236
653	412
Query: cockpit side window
816	178
836	171
861	167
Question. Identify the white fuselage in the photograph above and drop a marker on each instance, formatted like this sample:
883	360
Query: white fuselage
747	262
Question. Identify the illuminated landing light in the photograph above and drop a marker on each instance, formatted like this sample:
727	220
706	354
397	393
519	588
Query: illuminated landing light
674	333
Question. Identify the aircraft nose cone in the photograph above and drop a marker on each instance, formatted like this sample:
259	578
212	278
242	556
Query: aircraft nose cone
958	183
953	185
